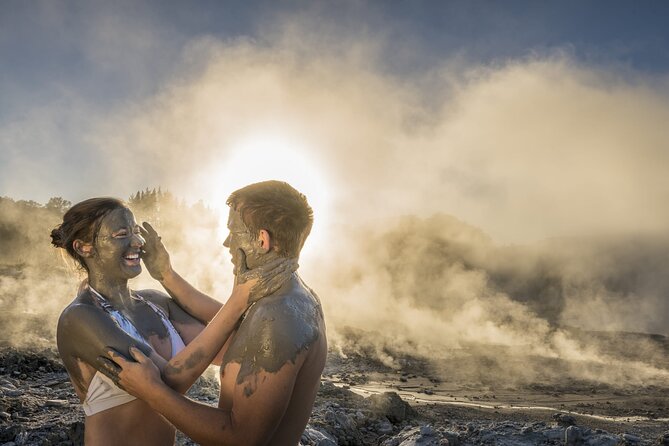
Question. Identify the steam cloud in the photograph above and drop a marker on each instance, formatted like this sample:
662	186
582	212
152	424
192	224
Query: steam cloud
519	151
440	288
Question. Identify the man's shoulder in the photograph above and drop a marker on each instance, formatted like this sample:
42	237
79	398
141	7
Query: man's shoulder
297	303
277	329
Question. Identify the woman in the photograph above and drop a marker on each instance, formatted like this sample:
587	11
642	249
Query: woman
101	235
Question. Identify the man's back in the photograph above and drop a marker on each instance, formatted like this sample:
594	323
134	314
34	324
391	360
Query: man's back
275	361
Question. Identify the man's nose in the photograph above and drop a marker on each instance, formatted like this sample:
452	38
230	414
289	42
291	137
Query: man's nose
137	241
226	243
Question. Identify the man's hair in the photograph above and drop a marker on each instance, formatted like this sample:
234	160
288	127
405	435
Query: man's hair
278	208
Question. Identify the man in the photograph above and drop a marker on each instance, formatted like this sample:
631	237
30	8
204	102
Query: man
271	366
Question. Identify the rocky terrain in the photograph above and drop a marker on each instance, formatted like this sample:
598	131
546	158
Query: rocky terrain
363	402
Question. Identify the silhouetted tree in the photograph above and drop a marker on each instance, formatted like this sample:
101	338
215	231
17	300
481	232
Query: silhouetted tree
58	204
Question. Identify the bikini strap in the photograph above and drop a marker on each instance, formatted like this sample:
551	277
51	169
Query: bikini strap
175	337
157	308
99	298
121	320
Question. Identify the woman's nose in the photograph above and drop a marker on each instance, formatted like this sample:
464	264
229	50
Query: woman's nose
137	240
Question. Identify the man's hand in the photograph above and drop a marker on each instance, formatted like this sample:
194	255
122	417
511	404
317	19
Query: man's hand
256	283
155	256
136	378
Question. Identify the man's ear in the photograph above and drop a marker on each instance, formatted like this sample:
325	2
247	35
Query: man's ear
82	248
265	241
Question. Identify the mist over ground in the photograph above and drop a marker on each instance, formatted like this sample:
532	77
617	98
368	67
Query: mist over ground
507	209
435	288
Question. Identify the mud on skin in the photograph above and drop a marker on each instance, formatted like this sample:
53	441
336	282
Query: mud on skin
83	320
112	260
276	330
241	239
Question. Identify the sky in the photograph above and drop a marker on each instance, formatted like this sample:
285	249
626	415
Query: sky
528	119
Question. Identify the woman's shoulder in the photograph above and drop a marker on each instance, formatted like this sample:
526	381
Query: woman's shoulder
79	310
77	321
83	302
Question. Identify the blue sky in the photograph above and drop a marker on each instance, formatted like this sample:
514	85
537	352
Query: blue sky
42	50
41	42
84	84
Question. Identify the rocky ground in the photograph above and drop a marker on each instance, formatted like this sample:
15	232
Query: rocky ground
363	402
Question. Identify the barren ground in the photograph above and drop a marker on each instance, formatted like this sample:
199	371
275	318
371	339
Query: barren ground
38	405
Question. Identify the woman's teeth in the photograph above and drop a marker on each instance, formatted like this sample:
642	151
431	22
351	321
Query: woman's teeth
132	259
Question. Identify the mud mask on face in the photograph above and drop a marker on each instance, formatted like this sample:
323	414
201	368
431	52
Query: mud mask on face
116	248
242	238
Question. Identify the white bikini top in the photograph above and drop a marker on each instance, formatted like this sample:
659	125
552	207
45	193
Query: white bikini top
102	393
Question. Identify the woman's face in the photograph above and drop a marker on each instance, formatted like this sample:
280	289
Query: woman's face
117	246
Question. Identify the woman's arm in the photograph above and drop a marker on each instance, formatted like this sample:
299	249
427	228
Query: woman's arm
185	367
186	325
250	285
189	327
157	261
194	301
266	278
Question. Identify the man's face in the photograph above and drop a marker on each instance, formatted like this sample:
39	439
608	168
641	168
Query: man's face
240	238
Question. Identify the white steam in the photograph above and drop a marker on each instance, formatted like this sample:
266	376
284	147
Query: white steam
524	149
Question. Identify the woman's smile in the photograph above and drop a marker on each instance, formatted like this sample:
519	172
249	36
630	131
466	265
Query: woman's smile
118	245
132	259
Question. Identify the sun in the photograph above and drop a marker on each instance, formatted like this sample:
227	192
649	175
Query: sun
272	157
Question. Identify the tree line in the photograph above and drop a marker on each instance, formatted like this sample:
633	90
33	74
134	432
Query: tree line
25	225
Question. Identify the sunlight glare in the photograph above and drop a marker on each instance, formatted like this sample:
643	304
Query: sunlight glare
272	157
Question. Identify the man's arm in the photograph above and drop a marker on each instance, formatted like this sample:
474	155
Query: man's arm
250	285
254	415
183	369
262	365
85	332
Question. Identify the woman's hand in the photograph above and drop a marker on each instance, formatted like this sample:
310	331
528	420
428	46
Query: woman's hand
136	378
155	256
254	284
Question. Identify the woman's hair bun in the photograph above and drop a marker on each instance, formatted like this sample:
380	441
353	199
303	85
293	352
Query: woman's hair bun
58	237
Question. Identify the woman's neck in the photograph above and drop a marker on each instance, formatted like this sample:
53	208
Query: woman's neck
114	290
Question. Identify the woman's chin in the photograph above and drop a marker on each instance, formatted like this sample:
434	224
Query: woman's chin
132	268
